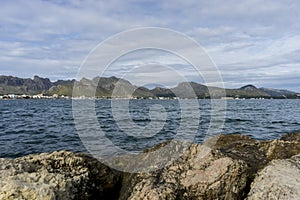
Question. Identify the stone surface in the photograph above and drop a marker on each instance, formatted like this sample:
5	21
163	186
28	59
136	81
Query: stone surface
58	175
197	174
279	180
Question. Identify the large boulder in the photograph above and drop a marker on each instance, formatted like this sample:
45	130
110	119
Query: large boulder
198	174
57	175
279	180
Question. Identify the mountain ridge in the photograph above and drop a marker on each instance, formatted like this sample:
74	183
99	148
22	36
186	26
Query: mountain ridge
106	86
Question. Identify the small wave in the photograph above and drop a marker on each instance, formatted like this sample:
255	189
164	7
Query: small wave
278	122
230	120
26	115
295	123
141	120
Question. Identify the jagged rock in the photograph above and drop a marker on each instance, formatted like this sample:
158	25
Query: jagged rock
279	149
243	148
279	180
195	175
10	85
257	154
59	175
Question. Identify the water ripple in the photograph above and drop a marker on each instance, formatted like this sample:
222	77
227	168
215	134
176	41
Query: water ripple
32	126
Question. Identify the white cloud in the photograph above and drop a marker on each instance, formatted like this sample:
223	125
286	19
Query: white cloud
245	38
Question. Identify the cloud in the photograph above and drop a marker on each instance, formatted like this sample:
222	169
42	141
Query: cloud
250	41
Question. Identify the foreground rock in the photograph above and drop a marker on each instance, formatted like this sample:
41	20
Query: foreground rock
226	170
279	180
59	175
195	175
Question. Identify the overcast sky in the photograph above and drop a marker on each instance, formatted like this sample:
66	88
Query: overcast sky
251	41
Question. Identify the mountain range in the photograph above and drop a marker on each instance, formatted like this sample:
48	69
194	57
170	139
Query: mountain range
105	86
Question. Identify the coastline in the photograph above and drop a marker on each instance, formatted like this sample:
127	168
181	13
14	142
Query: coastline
41	97
236	167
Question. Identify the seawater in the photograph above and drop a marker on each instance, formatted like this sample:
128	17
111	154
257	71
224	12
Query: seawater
34	126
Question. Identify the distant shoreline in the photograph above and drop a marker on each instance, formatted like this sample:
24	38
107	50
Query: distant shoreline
106	87
27	97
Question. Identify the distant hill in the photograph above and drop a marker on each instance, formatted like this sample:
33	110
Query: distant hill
162	92
15	85
278	93
247	91
105	86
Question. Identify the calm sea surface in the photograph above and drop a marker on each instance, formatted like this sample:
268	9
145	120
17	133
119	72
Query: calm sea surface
33	126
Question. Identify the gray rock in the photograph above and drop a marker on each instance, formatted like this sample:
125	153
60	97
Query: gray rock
195	175
279	180
58	175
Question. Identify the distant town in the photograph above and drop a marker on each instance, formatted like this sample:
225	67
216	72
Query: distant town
37	96
56	96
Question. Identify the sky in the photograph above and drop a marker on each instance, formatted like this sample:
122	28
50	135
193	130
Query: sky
250	41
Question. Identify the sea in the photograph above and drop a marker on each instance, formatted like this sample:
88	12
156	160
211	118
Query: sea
45	125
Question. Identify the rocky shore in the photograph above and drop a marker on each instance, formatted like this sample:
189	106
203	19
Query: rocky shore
236	167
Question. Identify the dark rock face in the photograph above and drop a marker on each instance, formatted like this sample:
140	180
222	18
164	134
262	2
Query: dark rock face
257	154
40	84
10	80
235	167
10	84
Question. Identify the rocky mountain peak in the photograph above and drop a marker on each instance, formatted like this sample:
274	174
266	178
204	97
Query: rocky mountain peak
249	88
